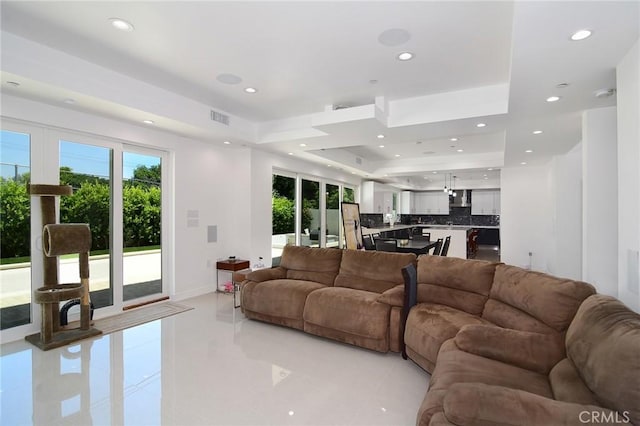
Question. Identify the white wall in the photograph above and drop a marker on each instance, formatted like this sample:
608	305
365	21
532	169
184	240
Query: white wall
213	180
525	220
628	76
600	200
565	254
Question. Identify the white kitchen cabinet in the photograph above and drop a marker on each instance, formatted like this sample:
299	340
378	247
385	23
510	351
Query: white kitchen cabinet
375	198
485	202
407	202
431	202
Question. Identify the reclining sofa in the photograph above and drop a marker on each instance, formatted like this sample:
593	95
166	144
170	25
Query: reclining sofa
344	295
510	346
504	346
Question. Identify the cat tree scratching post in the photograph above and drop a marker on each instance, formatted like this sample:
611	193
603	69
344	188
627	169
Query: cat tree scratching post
59	239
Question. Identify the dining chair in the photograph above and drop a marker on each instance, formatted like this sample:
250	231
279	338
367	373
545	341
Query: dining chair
368	242
438	247
386	244
445	246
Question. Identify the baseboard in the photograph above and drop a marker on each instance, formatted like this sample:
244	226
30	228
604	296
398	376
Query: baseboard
194	293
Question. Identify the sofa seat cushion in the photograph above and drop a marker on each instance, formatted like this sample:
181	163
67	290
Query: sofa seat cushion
283	298
457	366
430	325
348	310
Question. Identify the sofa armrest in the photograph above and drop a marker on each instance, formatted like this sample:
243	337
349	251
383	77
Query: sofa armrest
480	404
393	297
532	351
267	274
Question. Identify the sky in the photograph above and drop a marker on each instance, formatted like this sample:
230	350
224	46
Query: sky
86	159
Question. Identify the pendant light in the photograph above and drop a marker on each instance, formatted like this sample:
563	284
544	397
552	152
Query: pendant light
445	184
453	186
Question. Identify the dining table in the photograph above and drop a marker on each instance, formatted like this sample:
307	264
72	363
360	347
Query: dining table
417	246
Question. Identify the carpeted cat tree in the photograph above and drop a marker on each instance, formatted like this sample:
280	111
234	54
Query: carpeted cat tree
59	239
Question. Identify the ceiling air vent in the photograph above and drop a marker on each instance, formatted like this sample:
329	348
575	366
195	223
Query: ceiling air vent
220	117
358	160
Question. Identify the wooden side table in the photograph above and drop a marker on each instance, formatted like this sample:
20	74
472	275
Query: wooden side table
230	266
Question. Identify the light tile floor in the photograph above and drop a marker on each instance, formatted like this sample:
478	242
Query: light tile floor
207	366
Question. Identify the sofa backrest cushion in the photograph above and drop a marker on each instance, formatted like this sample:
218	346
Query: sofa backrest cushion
603	342
533	301
375	271
315	264
458	283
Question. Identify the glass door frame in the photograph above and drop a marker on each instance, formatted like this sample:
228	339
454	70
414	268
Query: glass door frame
38	150
165	223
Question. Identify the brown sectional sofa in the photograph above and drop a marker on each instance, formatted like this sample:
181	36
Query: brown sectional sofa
504	345
346	295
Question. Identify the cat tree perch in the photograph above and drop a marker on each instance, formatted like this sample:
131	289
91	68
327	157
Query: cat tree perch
57	240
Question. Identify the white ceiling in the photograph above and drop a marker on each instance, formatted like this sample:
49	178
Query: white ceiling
491	62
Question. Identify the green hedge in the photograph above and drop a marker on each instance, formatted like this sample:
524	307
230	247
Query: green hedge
88	204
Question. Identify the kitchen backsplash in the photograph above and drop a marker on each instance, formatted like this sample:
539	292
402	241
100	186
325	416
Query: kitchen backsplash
456	216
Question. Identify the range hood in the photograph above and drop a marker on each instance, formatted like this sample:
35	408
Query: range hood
462	198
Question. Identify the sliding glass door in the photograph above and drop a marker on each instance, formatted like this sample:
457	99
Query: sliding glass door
88	169
306	212
118	189
142	225
15	229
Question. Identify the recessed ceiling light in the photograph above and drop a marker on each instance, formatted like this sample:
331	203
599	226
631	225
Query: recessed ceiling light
562	85
553	98
490	168
581	35
226	78
226	143
69	101
529	151
386	175
405	56
290	153
434	172
147	121
303	145
380	146
486	177
397	155
380	136
523	163
250	90
453	139
537	132
353	173
121	24
328	165
13	83
460	150
481	125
